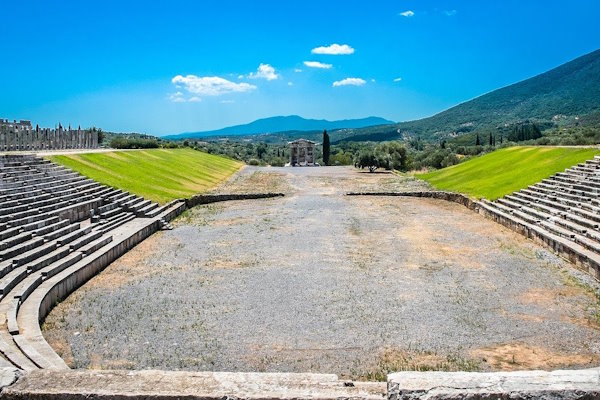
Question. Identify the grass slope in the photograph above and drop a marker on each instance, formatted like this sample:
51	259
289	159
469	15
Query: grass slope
504	171
158	174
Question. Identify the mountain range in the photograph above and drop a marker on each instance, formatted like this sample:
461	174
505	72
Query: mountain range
284	124
569	90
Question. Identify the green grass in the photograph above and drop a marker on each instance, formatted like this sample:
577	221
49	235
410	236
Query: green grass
158	174
501	172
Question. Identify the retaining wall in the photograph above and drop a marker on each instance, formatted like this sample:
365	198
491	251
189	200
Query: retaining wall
215	198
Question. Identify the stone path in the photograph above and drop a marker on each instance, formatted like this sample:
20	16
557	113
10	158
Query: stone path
320	282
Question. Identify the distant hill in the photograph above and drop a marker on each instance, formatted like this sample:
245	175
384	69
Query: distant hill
572	89
284	124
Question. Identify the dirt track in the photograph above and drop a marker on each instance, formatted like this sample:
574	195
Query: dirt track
320	282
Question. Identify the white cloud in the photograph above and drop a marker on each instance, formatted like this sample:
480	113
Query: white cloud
334	49
194	99
398	79
264	71
407	13
177	97
316	64
227	101
290	83
209	85
297	70
450	13
349	82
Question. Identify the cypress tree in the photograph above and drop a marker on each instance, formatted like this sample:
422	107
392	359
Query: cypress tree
491	140
477	142
326	148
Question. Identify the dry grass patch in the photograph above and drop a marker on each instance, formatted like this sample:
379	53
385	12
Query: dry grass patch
398	360
517	356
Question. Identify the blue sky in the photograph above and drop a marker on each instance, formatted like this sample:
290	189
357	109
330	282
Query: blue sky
168	67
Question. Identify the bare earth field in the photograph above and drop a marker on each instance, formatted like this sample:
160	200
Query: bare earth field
316	281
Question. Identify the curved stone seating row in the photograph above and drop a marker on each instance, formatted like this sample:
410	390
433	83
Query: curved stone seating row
564	208
57	229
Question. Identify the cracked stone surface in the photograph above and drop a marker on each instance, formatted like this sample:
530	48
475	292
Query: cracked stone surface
189	385
581	384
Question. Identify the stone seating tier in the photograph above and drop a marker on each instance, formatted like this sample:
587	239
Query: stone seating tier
566	205
51	220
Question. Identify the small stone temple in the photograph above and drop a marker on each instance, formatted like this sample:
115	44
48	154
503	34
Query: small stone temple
302	153
21	136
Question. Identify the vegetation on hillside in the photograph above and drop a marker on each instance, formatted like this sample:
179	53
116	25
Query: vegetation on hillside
560	95
504	171
158	174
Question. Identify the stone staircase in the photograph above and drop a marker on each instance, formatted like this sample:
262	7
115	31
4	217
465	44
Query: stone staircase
54	226
563	210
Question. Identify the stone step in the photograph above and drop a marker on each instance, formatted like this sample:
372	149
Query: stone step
28	219
106	208
588	243
95	245
51	228
591	224
84	240
11	316
114	224
48	259
15	240
21	248
26	287
61	264
111	213
117	197
32	254
553	228
140	205
9	232
40	224
14	209
145	210
61	232
571	226
516	198
541	216
74	235
11	279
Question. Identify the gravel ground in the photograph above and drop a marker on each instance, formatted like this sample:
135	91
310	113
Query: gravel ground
316	281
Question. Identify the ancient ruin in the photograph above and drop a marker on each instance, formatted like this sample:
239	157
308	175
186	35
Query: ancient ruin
302	153
21	136
58	229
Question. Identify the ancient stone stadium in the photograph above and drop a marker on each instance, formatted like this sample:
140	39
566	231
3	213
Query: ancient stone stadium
363	284
271	200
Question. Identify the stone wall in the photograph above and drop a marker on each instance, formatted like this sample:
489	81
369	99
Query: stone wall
133	385
214	198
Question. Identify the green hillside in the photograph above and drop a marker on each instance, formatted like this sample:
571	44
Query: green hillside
504	171
572	89
158	174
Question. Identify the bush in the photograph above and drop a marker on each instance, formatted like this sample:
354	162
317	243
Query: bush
124	143
253	161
